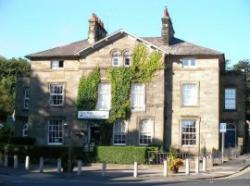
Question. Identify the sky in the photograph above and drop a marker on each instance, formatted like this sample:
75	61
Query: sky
28	26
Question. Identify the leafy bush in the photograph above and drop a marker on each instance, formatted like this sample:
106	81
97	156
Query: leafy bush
122	155
22	140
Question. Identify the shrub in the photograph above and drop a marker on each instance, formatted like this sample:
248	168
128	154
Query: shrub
122	155
22	140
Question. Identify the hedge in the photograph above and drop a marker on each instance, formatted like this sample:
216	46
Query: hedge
123	154
108	154
17	140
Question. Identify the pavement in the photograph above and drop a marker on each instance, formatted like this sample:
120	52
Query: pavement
122	173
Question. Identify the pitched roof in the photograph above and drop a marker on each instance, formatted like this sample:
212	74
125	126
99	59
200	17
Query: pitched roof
176	47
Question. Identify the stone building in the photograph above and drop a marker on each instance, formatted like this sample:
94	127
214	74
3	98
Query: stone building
182	106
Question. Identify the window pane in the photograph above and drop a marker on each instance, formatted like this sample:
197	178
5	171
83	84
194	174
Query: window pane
138	97
56	94
119	133
55	131
146	131
189	94
104	96
188	136
230	98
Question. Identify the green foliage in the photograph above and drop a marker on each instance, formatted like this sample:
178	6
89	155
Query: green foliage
88	91
122	155
9	70
244	66
144	65
6	132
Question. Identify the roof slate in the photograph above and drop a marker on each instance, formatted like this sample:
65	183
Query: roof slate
176	47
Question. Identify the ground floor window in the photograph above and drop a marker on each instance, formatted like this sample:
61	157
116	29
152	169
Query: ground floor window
188	132
55	131
119	133
146	131
25	130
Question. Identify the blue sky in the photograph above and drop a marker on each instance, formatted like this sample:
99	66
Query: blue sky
28	26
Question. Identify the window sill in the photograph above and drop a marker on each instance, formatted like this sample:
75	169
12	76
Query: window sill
230	110
141	109
119	144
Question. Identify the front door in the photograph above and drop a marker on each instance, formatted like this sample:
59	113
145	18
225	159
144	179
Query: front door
230	136
94	134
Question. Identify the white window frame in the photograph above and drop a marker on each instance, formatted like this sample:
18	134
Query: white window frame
230	98
189	63
55	64
25	130
104	92
148	134
121	134
127	55
116	55
138	95
189	133
53	126
26	98
52	94
188	95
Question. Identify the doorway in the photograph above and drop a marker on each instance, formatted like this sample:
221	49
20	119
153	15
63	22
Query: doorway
230	136
94	134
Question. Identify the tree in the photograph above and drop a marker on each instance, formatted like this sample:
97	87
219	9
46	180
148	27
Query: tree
244	66
9	70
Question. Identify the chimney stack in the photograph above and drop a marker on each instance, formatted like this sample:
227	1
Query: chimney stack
167	30
96	29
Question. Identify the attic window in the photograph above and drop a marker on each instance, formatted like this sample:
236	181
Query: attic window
127	58
57	64
189	63
116	58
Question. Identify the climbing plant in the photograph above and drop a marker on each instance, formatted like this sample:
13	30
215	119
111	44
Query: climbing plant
88	91
144	65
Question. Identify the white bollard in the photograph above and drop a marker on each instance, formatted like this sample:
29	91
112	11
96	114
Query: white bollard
59	165
79	167
104	167
197	164
27	163
135	169
6	159
41	164
187	165
165	168
15	161
204	164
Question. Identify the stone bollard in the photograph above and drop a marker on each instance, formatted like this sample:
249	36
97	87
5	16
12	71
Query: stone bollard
197	164
104	167
79	167
165	168
6	159
135	169
187	166
204	164
59	165
15	161
27	163
41	164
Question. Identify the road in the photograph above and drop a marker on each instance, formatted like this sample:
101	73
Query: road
240	180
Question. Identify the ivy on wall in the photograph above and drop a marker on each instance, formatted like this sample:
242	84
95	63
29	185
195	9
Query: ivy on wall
144	65
88	91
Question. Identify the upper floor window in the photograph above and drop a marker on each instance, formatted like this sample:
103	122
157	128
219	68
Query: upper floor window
138	97
104	96
189	94
146	127
55	131
57	64
116	61
189	63
188	132
56	94
119	133
26	98
230	98
127	58
25	130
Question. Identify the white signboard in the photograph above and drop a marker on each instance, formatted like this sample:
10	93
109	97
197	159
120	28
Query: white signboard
223	127
93	114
